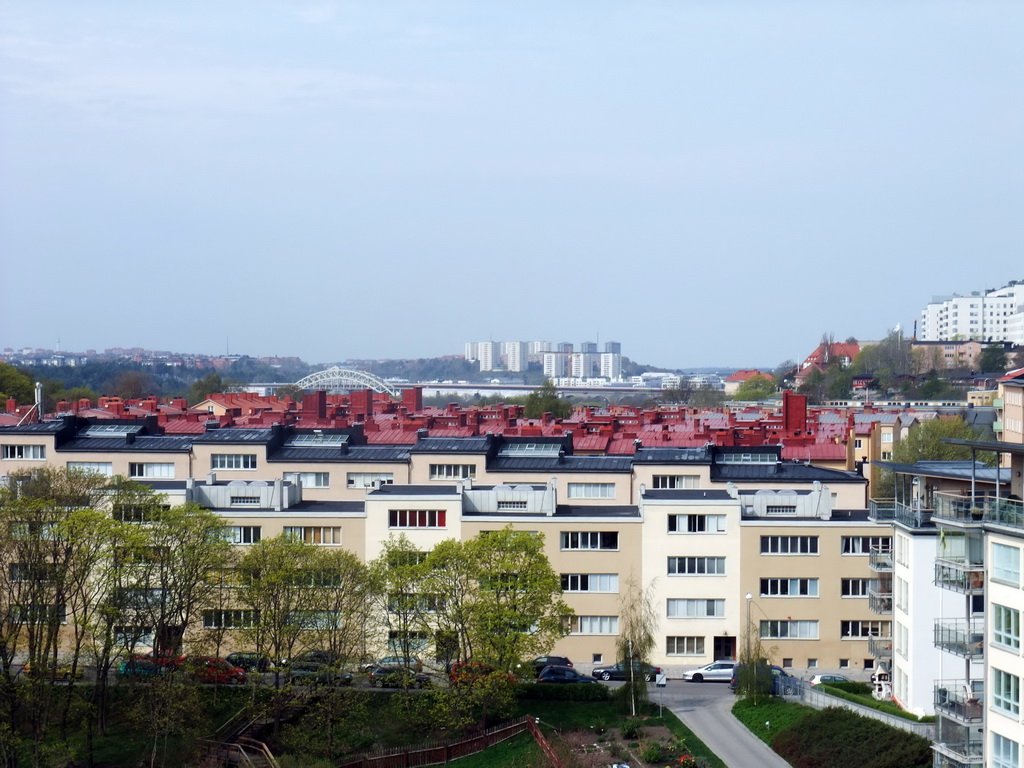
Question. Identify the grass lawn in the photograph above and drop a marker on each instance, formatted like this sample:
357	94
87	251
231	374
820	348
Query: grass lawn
518	752
766	718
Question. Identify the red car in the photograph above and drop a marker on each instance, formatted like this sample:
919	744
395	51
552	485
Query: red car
164	659
209	669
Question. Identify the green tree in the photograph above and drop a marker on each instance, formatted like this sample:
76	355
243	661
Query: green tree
925	443
888	360
756	388
993	359
638	623
16	383
214	383
545	399
707	397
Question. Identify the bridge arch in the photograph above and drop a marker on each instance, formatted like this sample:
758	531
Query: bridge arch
336	379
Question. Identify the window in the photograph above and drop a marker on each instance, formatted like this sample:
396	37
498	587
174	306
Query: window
230	619
679	608
789	587
844	663
452	471
684	646
812	663
151	470
694	566
858	443
311	479
1005	752
242	534
1006	564
96	467
854	587
887	437
508	505
591	490
26	572
233	461
367	479
597	625
244	501
590	582
412	639
780	510
128	636
24	452
789	630
865	628
314	534
862	545
789	545
696	523
590	539
416	518
1006	626
672	482
23	531
40	614
1005	692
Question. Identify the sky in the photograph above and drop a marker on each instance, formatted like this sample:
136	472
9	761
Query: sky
709	183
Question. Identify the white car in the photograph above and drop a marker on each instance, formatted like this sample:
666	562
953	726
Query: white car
819	679
718	671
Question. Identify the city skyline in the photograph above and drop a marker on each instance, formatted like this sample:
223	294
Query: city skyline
713	184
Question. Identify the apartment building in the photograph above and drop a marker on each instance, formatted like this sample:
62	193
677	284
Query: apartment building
700	527
991	315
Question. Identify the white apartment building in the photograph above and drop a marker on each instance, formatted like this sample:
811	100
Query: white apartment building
556	365
516	355
472	353
993	315
611	366
488	354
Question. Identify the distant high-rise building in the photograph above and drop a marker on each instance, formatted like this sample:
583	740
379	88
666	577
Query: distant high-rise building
515	356
588	347
993	315
583	365
556	365
611	365
540	347
613	347
487	354
564	346
472	355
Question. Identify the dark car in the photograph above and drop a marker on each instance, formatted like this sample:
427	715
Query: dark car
546	661
317	673
782	681
621	671
249	661
556	673
210	669
398	677
319	656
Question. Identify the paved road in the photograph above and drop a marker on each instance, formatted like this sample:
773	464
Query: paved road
705	708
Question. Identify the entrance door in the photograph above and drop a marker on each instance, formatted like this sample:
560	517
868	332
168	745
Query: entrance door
725	648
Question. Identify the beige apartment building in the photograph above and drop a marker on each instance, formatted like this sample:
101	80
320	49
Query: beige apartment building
699	529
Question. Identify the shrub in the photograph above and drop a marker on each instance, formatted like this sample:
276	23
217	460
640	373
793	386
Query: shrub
651	752
556	692
857	689
631	728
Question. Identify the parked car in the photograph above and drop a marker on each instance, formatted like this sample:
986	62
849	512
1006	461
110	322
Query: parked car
556	673
469	672
398	677
409	662
55	670
249	661
210	669
782	681
621	671
717	670
317	673
165	659
819	679
316	655
139	669
546	661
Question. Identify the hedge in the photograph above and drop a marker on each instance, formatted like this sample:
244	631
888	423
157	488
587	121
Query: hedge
564	692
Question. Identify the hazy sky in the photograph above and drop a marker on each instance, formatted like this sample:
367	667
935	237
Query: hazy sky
708	182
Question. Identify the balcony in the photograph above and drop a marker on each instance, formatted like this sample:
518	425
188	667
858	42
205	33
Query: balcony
961	700
880	560
880	595
975	510
880	647
965	578
957	745
961	637
892	511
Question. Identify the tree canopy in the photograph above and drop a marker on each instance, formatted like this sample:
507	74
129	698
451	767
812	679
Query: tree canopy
15	383
756	388
993	359
545	399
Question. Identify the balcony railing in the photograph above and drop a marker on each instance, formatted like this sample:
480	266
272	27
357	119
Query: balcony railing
880	559
890	510
979	509
961	700
880	647
966	578
880	595
962	637
957	744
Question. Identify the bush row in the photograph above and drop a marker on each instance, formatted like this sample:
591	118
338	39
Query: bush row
557	692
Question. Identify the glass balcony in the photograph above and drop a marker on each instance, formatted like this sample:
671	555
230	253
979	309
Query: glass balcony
961	700
913	515
961	637
880	647
966	578
880	559
979	509
880	595
881	510
957	744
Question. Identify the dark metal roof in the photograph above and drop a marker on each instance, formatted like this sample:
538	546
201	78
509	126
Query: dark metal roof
986	445
839	517
549	464
353	453
237	435
951	470
149	443
573	510
785	471
672	455
306	453
690	495
415	490
42	427
452	445
303	507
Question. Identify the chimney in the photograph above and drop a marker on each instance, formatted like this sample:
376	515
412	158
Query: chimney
211	478
279	494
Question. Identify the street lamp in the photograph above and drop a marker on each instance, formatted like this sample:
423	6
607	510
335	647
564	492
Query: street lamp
746	652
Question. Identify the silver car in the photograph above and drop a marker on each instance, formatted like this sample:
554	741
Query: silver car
718	670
